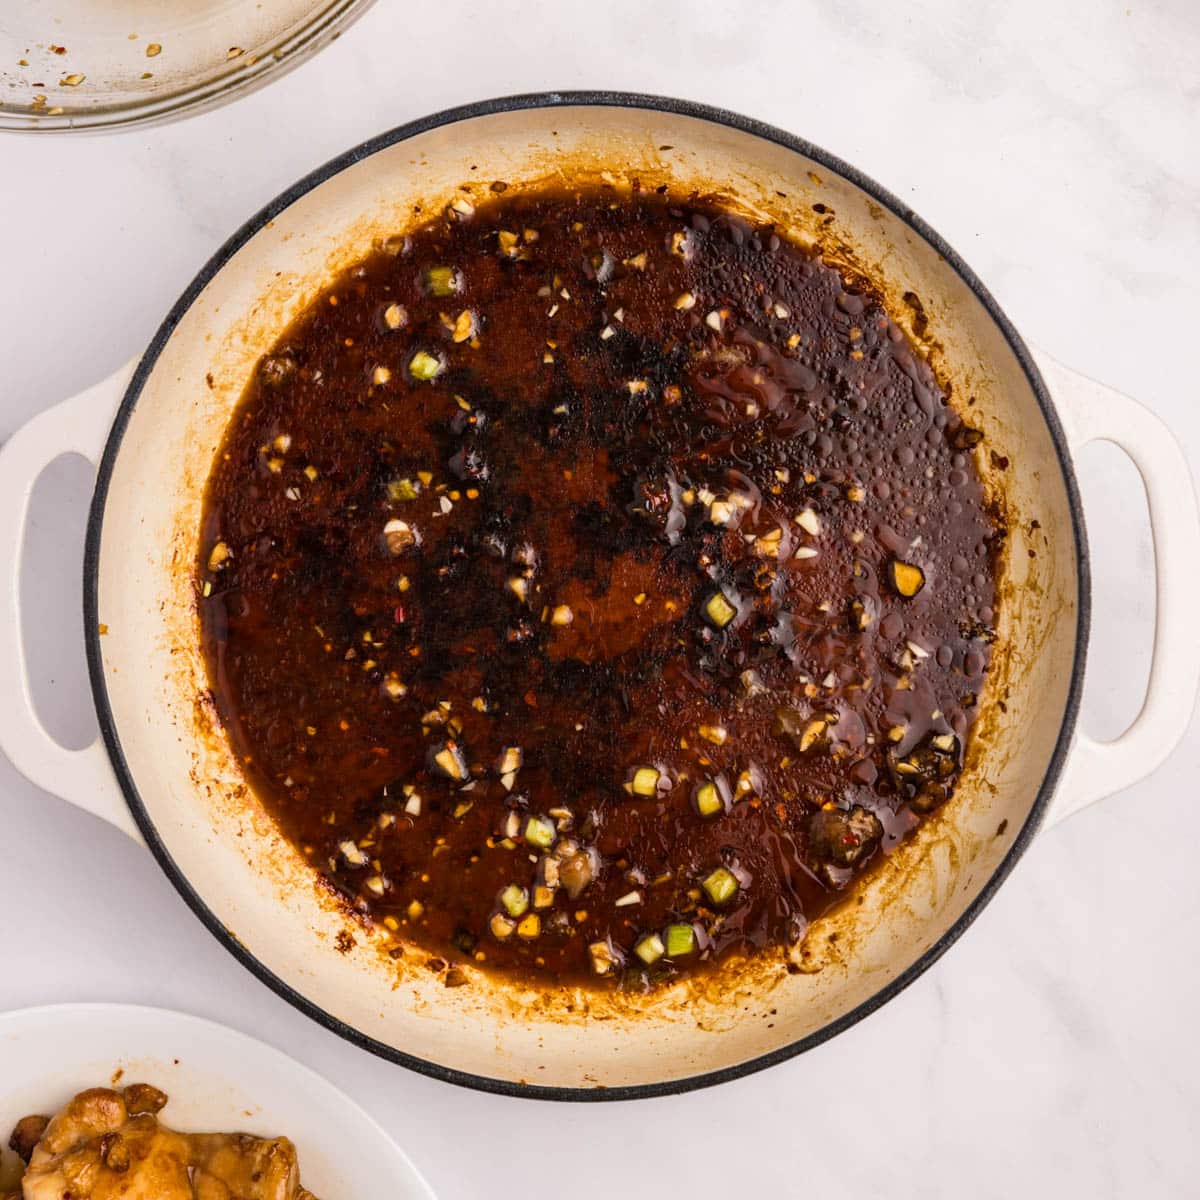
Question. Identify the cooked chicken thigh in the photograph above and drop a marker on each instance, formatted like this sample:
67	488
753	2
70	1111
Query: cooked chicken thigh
107	1145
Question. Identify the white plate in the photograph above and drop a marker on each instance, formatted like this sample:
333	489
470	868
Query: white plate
218	1080
209	51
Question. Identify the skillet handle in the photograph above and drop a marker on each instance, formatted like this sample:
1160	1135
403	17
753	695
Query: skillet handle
1093	412
85	777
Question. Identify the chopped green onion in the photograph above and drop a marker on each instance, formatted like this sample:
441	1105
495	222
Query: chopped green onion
425	366
442	281
719	610
514	900
539	832
645	781
681	940
650	949
401	489
721	886
708	800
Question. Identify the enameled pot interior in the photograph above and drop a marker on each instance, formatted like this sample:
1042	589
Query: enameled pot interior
207	827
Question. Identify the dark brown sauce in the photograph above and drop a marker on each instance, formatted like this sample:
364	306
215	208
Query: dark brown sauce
647	529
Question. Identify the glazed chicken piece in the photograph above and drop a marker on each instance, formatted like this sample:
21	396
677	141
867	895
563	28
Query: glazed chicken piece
108	1145
26	1134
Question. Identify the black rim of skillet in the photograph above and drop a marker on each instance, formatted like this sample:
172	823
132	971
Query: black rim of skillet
551	101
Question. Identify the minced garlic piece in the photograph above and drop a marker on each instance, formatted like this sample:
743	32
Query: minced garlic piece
809	522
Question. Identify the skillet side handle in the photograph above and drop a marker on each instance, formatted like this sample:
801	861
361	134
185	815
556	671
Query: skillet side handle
85	777
1094	412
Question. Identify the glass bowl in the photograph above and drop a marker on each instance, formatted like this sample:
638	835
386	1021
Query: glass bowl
107	64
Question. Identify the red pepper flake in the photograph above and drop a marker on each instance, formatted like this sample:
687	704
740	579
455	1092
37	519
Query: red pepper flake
398	614
531	700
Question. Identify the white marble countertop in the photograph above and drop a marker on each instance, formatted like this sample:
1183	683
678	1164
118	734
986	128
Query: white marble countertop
1053	1051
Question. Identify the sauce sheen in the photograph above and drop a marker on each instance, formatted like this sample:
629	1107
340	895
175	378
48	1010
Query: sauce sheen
594	586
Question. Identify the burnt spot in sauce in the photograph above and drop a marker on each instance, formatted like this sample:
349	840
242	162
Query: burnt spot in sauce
595	587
